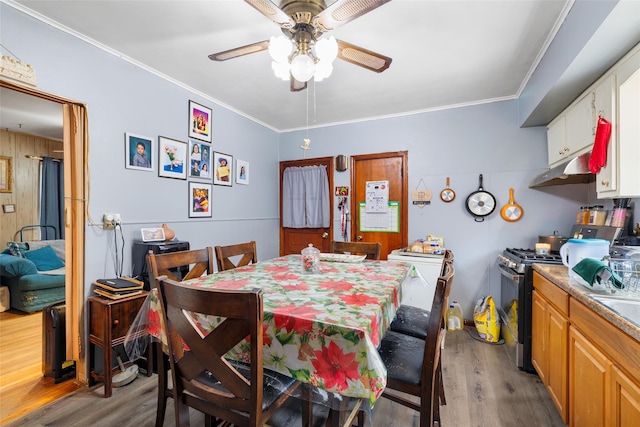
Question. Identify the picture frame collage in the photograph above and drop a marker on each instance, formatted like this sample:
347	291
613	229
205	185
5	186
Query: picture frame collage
193	159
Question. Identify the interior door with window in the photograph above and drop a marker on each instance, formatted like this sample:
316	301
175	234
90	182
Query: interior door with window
294	240
368	168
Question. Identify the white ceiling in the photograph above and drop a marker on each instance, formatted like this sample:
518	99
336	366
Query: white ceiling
445	53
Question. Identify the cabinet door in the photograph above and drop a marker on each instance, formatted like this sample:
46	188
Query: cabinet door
605	107
589	379
557	369
625	400
579	122
557	141
539	336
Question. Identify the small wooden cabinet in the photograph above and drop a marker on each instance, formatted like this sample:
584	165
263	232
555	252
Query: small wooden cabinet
109	322
550	333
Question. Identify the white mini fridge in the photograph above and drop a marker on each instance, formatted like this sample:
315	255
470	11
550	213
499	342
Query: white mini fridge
419	293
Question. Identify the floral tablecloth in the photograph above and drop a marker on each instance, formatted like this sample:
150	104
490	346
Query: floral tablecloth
321	329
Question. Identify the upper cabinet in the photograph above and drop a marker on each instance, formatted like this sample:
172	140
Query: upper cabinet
621	175
616	98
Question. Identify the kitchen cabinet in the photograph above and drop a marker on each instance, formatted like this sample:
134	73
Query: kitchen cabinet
589	373
588	365
558	150
550	333
621	176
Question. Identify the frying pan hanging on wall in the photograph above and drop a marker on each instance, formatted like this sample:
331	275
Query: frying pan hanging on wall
480	203
512	211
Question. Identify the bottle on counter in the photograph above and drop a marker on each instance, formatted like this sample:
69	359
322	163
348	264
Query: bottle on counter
597	215
585	215
579	215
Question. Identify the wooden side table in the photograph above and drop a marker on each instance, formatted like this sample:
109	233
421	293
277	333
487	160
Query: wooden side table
109	322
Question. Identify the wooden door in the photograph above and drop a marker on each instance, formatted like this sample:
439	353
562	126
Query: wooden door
390	167
293	240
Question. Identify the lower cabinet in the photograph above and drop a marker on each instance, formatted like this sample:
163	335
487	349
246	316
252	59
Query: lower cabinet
589	366
549	349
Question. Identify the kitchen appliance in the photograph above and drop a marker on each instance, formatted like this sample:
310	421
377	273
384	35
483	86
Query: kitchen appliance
554	240
516	293
420	293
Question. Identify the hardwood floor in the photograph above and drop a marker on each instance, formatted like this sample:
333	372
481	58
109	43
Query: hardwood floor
23	388
483	388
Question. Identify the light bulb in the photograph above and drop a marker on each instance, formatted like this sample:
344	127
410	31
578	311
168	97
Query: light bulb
280	48
327	49
302	68
281	69
323	70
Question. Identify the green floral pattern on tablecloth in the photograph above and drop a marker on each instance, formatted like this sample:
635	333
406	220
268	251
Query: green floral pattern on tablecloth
321	329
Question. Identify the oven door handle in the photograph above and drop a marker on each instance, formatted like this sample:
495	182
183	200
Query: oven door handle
508	273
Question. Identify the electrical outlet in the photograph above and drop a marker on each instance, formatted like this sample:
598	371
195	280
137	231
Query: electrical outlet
117	219
109	221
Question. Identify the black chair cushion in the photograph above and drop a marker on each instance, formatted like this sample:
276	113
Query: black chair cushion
402	355
274	382
411	321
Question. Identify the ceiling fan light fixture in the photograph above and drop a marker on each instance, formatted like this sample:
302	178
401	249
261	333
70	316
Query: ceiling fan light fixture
327	49
281	69
280	48
302	67
323	70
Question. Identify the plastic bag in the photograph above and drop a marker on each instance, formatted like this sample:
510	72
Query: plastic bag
485	317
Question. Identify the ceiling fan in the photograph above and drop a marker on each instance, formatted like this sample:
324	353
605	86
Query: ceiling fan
303	22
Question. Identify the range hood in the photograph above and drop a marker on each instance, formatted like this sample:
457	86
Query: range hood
575	171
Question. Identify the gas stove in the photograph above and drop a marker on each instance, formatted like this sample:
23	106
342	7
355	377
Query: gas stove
518	259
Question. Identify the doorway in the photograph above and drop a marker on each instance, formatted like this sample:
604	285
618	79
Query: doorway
293	240
390	226
75	142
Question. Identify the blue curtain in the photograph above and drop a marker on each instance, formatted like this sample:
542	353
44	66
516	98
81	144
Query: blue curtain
52	198
305	197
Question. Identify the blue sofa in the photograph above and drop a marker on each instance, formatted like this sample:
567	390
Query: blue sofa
32	290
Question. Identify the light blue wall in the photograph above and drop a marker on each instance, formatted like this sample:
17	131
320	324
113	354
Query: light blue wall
460	143
122	97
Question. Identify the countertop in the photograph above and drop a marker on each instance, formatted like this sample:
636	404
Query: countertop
558	274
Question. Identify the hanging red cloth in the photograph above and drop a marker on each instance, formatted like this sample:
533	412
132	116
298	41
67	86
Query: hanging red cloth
599	152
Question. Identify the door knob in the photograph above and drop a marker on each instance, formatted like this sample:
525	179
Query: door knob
359	238
325	235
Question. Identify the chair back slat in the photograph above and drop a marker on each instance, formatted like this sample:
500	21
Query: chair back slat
241	316
199	262
247	251
370	249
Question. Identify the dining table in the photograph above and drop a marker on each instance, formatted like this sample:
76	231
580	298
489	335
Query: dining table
322	329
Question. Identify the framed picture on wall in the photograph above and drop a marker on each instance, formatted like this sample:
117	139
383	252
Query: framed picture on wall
199	121
172	156
6	174
139	152
223	174
242	172
200	160
199	200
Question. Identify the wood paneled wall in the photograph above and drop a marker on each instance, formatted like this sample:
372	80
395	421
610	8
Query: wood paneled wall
26	178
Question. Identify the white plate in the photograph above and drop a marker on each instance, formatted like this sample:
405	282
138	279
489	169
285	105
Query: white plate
341	257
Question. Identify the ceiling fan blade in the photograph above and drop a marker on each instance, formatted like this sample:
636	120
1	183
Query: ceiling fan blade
240	51
297	86
272	12
343	11
363	57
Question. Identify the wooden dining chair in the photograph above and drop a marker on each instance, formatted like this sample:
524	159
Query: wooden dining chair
247	251
198	262
413	364
241	393
370	249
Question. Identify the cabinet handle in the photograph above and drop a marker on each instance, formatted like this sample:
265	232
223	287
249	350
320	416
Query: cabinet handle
116	322
605	183
564	150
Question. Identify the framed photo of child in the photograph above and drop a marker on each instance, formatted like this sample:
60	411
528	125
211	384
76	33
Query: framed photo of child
242	172
199	200
199	121
172	158
139	152
223	164
200	160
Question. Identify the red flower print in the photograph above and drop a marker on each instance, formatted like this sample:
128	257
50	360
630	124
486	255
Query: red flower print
298	319
339	285
232	284
359	299
154	323
277	268
266	339
379	277
335	367
285	277
296	287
